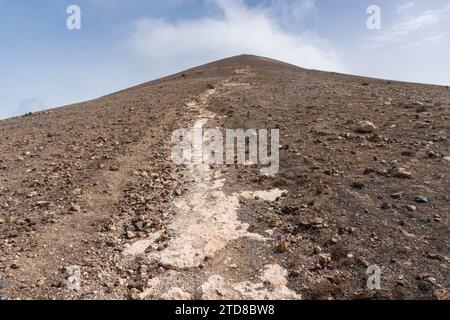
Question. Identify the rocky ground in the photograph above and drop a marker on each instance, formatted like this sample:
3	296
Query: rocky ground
92	207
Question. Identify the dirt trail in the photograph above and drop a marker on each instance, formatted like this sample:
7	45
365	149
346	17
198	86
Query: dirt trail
206	223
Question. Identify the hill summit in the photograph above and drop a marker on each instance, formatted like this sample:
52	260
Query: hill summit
93	206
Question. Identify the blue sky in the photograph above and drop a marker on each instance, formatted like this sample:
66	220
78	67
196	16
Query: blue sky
126	42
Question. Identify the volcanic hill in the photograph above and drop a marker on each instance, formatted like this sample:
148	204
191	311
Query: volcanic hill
93	207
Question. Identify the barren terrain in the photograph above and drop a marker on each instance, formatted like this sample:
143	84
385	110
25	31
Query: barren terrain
92	207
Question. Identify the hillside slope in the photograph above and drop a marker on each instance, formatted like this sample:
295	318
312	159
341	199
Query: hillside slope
89	191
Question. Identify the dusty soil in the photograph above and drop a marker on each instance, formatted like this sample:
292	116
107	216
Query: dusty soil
89	191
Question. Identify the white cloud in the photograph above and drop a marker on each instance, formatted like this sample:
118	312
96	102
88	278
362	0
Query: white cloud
241	29
401	8
412	29
291	14
435	40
